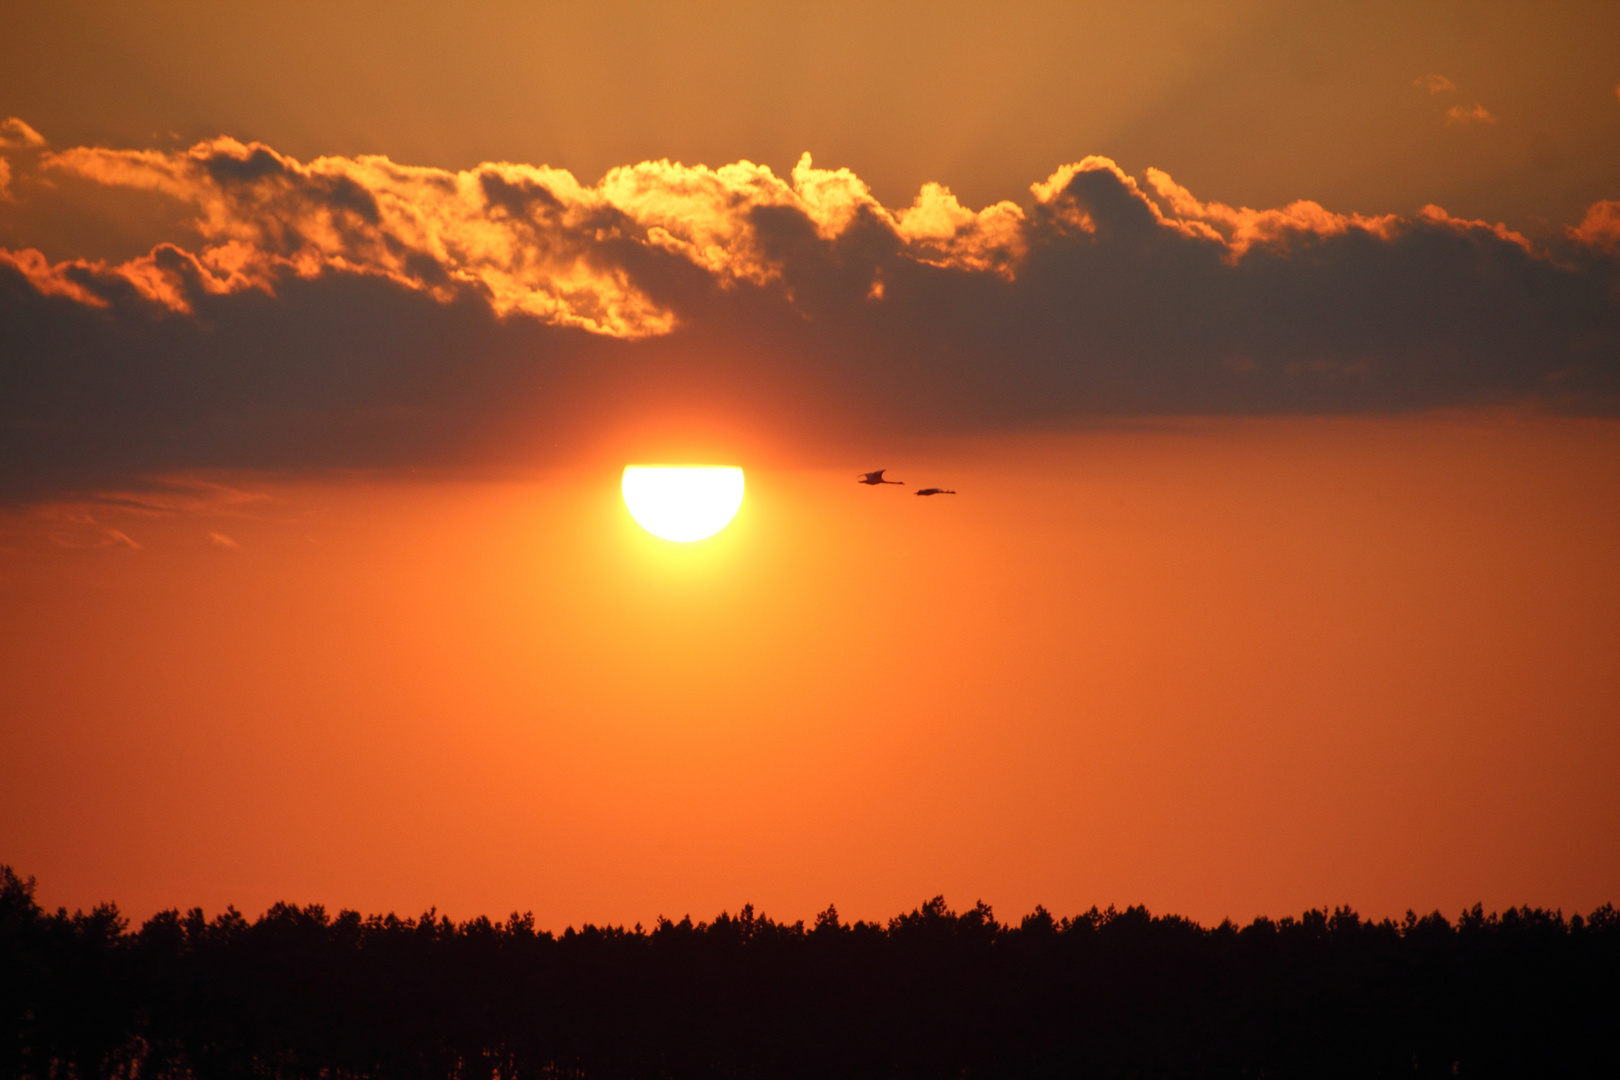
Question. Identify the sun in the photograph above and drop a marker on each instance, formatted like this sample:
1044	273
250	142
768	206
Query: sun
683	502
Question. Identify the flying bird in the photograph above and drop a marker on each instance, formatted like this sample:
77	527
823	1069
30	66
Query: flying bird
934	491
877	478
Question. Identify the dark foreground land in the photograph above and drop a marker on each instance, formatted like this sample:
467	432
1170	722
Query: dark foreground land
300	993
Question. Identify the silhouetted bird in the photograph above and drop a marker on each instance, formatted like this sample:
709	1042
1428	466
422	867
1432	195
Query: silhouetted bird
877	478
934	491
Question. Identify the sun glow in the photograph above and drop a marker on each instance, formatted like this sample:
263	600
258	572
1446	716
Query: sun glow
683	502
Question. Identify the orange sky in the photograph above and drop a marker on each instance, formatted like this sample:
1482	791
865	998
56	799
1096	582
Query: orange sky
1273	347
1222	668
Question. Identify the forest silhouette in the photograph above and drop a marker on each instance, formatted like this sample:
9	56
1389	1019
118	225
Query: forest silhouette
299	992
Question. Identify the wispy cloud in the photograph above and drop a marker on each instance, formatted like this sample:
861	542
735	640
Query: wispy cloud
16	135
168	496
101	519
1474	114
66	528
1436	84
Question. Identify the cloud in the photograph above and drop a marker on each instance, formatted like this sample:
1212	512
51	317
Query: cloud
1476	114
1436	84
87	519
531	239
5	180
1600	228
70	278
167	496
361	313
16	135
72	528
1241	229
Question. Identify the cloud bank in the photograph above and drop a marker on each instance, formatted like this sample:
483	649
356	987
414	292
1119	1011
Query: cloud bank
356	311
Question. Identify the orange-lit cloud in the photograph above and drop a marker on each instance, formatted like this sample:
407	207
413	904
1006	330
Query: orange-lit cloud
169	496
67	525
530	239
69	279
87	520
1438	216
359	312
1436	84
1243	228
1601	227
16	135
1475	114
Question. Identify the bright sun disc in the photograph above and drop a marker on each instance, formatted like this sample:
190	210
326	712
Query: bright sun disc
683	502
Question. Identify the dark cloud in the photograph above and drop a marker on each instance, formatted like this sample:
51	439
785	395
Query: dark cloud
364	314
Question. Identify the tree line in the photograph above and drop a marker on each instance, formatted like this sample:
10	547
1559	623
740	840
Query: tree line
933	993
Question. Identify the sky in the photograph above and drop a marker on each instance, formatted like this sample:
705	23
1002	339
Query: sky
1273	354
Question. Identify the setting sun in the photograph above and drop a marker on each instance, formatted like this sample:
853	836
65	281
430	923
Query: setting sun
1247	702
683	502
